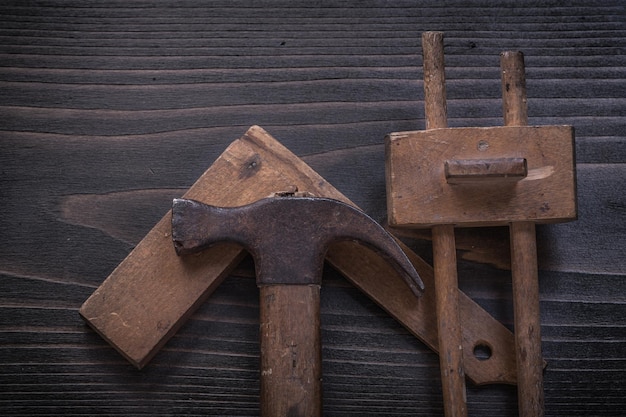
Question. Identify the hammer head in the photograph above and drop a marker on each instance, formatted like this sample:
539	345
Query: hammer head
287	236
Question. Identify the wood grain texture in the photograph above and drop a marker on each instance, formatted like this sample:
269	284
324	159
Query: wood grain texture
416	163
291	350
108	110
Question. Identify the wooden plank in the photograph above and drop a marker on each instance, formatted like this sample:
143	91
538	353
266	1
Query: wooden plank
580	316
75	202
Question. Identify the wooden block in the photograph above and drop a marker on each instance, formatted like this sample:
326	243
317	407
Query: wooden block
152	292
419	194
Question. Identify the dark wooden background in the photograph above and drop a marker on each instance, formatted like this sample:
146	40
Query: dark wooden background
109	109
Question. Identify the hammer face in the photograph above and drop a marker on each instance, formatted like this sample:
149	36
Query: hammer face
287	236
197	226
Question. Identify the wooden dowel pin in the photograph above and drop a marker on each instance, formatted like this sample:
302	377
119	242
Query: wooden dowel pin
444	248
523	259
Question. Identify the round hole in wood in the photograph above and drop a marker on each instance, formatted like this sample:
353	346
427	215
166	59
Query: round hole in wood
483	145
482	351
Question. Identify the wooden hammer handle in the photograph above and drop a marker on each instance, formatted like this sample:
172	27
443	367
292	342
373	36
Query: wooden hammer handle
291	360
444	248
523	260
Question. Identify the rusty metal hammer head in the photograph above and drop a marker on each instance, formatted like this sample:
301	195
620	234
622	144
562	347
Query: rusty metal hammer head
287	236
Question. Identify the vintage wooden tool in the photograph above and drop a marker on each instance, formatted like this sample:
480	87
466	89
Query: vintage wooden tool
140	306
515	175
288	238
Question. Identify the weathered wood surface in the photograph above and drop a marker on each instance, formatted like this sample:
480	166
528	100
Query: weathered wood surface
418	162
108	110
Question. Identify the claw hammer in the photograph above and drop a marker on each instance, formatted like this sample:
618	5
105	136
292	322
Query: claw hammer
288	237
